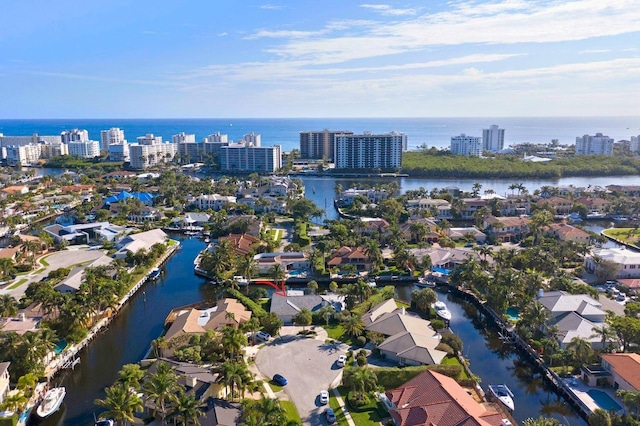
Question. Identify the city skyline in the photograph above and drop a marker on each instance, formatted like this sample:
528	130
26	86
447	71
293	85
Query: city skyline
72	59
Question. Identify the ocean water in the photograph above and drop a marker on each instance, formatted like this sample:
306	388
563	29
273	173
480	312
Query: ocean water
285	131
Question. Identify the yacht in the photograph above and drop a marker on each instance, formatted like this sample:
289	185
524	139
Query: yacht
51	402
503	394
442	311
155	273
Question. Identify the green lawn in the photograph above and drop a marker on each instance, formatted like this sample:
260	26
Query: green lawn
275	388
43	261
627	235
366	415
291	411
391	378
18	284
335	331
452	360
333	403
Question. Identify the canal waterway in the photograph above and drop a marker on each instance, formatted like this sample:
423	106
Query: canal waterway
497	363
129	335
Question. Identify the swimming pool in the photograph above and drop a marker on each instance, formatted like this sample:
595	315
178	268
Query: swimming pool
603	400
513	314
298	273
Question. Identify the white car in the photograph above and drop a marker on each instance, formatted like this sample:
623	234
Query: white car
263	335
342	361
324	397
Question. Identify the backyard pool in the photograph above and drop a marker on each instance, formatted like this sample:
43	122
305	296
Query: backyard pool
298	273
513	314
603	400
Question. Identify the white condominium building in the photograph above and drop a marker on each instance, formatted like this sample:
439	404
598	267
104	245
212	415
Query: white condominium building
243	157
471	146
142	156
28	140
113	136
320	144
594	145
213	201
182	137
149	139
84	149
22	155
251	139
119	151
216	137
493	138
369	151
74	135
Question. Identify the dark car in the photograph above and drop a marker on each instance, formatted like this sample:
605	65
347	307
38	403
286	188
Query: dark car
330	415
279	380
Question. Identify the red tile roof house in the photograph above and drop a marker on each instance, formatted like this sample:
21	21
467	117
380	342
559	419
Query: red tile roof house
350	256
566	232
620	370
431	399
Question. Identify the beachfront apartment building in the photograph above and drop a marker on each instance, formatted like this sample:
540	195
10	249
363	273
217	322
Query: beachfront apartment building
74	135
216	137
493	138
319	144
252	138
594	145
118	151
246	157
183	137
145	155
470	146
23	155
113	136
369	151
84	148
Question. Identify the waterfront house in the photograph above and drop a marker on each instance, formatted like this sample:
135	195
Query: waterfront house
628	190
447	258
377	311
214	202
144	197
628	261
410	339
290	261
74	280
595	205
5	380
566	232
16	190
618	370
192	320
470	206
560	206
371	195
287	307
431	236
439	208
432	398
574	315
142	241
506	229
374	226
84	233
195	219
350	256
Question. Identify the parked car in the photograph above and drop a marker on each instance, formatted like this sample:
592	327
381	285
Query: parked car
621	297
330	415
324	397
263	335
342	361
280	380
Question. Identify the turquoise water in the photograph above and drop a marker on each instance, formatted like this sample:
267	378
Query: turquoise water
60	346
297	273
603	400
513	314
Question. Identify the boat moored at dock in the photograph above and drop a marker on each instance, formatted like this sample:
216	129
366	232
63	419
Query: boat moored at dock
51	402
503	394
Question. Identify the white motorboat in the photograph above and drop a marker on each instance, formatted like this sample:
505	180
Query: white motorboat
51	402
442	311
503	394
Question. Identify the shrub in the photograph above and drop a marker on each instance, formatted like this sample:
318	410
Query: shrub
445	348
361	341
437	324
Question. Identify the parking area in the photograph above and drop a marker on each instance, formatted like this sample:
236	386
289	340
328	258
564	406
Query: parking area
309	366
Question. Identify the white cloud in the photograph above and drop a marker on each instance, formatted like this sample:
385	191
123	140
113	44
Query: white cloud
386	10
589	51
271	7
471	71
223	34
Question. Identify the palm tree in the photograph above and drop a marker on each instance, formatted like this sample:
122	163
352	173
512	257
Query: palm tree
8	306
303	318
631	399
15	402
233	340
354	326
277	273
313	286
540	421
161	388
130	376
120	403
235	375
424	298
580	349
599	417
262	412
6	267
607	336
361	380
186	411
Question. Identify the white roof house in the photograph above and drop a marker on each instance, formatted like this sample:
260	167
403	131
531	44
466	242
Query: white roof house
74	280
628	261
143	240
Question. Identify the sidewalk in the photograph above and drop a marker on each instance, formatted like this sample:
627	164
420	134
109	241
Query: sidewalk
347	415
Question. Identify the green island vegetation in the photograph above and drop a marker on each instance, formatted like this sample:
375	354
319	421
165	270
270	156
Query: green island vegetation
442	164
77	163
630	236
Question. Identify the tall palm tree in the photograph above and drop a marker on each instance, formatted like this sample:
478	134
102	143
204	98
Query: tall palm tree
607	336
161	388
235	375
354	326
580	349
233	340
16	402
631	399
8	305
361	381
186	410
120	403
263	412
130	376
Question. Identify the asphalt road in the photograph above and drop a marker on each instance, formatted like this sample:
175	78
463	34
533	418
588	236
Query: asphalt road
309	366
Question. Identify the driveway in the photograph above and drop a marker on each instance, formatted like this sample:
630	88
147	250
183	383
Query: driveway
309	366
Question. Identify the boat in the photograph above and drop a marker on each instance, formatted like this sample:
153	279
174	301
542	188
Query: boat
442	311
51	402
503	394
424	282
154	274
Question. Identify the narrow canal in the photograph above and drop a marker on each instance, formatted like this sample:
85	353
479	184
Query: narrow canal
496	363
129	335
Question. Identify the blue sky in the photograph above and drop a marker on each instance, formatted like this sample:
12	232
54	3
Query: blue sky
330	58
